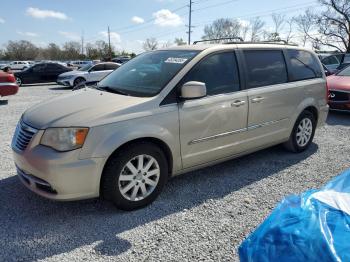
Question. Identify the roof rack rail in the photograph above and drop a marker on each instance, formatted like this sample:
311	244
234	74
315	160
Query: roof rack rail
241	41
277	42
218	39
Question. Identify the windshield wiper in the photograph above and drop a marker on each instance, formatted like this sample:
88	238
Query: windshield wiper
111	90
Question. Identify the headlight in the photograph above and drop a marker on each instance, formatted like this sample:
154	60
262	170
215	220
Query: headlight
64	139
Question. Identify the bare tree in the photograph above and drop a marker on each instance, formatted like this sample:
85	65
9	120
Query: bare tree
71	50
179	41
52	51
222	28
256	29
21	50
290	26
150	44
278	22
305	23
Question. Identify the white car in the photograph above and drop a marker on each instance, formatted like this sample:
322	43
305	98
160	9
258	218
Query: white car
88	73
19	65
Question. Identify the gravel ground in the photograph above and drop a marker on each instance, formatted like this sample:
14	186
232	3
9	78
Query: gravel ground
202	215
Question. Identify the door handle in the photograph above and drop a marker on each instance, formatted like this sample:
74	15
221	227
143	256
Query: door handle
238	103
257	99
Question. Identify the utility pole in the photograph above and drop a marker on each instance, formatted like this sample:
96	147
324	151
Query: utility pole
190	22
109	44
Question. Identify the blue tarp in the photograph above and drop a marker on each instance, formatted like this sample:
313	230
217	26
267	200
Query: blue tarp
314	226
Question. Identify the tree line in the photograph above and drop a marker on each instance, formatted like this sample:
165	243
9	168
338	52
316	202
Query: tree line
25	50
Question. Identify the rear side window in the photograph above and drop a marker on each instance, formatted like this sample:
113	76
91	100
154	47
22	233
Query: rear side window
219	72
111	66
346	59
265	67
99	67
330	60
304	65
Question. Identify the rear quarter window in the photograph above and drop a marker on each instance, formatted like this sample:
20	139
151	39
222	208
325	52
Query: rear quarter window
304	65
265	67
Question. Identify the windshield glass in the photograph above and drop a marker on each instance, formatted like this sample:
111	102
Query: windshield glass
147	74
85	68
344	72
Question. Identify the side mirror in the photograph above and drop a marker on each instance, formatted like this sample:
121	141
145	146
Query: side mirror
193	90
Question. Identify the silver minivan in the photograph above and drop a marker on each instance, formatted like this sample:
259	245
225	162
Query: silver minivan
167	112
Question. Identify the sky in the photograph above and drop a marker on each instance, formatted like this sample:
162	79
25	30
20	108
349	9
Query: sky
130	21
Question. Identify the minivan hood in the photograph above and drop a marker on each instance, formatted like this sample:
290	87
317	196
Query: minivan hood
85	108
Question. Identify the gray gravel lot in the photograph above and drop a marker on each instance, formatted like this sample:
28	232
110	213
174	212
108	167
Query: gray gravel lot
203	215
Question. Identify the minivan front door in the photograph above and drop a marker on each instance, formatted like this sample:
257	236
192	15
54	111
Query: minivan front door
213	127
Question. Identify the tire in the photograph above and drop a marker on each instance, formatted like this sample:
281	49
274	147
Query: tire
19	81
78	81
302	134
119	182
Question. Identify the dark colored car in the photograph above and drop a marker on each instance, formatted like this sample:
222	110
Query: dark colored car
8	84
339	90
120	60
41	73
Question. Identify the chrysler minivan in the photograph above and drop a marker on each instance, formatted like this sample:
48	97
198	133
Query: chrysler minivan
167	112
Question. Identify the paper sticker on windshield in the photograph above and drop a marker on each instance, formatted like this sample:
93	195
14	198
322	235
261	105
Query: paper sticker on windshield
176	60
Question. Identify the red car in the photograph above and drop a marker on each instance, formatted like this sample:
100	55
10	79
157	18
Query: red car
8	84
339	90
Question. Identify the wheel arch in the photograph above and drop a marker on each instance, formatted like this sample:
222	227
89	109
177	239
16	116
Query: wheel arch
159	143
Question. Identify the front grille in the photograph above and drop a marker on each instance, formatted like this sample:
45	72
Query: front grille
23	135
339	95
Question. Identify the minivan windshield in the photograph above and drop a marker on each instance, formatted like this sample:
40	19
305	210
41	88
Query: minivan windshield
147	74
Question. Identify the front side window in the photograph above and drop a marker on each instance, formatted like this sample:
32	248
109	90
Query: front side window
304	65
147	74
265	67
219	72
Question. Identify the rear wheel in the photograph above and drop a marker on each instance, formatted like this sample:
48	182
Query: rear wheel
135	176
303	133
18	81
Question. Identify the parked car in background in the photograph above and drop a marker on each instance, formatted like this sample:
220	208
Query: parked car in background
8	84
339	90
121	59
18	65
167	112
40	73
336	62
88	73
79	64
3	64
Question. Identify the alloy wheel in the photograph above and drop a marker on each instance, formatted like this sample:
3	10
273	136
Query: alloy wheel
304	132
139	177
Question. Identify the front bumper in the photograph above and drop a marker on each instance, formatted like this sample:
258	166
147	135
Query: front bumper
58	175
64	82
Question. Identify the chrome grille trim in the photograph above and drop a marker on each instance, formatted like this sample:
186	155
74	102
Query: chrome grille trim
22	137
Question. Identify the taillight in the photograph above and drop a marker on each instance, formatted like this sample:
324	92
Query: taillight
10	78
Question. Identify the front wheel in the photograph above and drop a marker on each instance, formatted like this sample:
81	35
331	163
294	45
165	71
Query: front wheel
78	81
303	133
135	176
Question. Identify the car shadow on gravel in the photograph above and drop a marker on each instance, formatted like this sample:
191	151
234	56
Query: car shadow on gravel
59	88
336	118
34	228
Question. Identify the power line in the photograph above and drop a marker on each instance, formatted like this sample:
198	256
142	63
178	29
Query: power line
215	5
